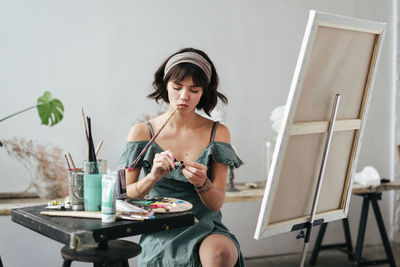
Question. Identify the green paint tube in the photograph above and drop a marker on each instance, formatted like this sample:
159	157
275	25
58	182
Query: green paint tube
108	198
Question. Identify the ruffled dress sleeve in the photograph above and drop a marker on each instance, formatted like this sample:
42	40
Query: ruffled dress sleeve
130	152
133	149
224	153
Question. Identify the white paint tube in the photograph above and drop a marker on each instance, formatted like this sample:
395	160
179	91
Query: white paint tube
108	198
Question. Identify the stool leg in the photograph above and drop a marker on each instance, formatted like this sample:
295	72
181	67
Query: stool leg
318	243
122	263
347	236
381	226
66	263
361	231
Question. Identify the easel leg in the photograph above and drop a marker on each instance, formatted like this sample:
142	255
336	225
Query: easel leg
361	231
347	236
381	226
318	243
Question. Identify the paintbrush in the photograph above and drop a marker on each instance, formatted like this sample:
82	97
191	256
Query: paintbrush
92	153
150	142
72	161
85	130
98	147
84	125
69	167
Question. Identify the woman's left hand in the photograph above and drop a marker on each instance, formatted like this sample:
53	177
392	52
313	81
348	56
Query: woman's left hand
195	172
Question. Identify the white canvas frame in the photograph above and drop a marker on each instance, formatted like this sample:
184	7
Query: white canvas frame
317	21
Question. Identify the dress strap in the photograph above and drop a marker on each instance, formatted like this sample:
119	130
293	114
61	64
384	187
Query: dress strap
214	129
150	128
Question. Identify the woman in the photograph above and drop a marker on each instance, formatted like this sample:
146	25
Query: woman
187	80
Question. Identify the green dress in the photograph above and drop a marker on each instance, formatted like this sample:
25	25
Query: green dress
180	246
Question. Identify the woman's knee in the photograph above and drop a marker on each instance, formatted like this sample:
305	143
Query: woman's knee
222	254
218	252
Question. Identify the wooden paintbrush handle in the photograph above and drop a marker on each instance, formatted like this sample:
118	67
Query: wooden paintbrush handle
136	161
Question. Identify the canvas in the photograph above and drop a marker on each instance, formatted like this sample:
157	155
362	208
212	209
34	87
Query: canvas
339	55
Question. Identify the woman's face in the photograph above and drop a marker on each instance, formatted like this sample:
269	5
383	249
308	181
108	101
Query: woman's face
184	94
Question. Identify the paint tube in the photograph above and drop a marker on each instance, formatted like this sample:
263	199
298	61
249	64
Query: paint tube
121	183
108	197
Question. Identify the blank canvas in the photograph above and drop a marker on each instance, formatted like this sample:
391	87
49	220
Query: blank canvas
339	55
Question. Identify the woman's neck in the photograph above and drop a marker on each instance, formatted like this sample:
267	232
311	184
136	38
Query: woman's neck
183	120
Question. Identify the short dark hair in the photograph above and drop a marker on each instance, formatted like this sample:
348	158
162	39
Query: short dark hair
210	96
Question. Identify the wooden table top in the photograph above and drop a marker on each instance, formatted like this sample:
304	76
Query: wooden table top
82	232
357	189
255	191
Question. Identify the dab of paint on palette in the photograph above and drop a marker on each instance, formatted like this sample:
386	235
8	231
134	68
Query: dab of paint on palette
163	204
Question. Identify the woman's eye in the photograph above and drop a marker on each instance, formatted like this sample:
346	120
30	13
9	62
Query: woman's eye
195	91
177	88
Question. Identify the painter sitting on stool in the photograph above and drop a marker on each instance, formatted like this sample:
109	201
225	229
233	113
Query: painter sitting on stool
189	160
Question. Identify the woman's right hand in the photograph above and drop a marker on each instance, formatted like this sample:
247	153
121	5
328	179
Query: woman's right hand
163	163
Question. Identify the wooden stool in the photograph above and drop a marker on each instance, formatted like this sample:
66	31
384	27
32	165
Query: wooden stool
111	253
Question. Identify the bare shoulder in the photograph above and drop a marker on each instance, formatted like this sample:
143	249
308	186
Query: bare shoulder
139	132
222	134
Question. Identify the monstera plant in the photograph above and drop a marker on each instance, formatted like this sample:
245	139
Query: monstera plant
50	110
43	162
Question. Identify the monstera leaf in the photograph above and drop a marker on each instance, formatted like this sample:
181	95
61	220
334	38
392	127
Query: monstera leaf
50	110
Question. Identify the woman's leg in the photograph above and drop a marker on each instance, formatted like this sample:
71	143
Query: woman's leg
218	250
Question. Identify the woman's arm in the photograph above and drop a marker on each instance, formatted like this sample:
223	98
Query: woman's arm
162	164
136	188
212	194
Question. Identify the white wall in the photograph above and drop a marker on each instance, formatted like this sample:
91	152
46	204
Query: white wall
101	55
396	79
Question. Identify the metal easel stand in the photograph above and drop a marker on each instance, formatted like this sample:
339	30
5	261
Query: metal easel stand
311	223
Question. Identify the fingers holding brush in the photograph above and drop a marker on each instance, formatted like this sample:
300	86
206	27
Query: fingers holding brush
135	162
170	158
163	163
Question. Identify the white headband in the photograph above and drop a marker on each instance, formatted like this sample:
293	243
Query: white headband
189	57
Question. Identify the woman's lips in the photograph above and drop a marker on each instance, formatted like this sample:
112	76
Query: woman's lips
182	106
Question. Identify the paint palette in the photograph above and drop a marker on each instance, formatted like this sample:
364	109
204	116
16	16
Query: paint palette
162	204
